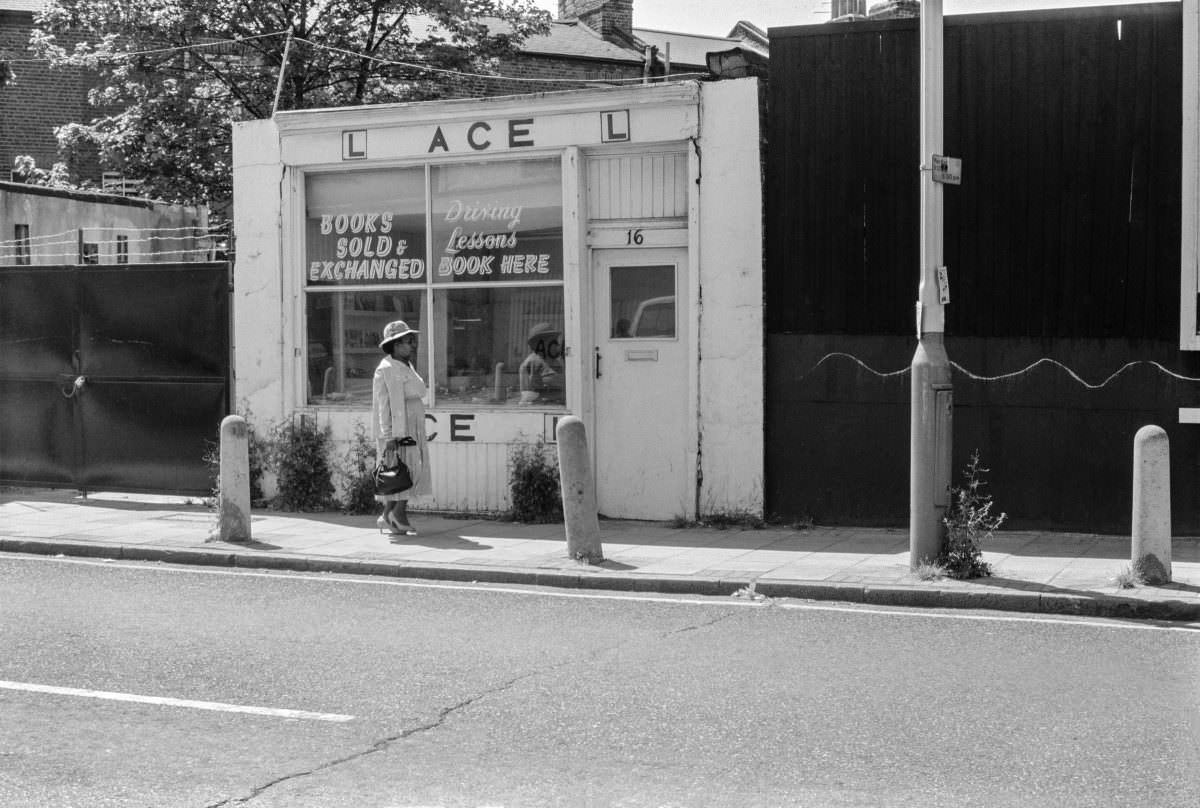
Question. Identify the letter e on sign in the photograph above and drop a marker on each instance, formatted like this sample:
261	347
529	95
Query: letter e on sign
354	144
614	126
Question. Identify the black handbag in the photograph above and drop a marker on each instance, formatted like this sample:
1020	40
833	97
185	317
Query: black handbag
392	475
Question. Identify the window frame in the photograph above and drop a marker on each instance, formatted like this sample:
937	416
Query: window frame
430	287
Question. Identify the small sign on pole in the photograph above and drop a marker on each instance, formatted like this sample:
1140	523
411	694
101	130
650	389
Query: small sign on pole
947	170
943	285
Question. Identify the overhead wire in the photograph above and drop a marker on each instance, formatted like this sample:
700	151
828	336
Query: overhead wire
115	58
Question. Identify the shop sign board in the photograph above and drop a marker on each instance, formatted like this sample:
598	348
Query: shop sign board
488	135
485	426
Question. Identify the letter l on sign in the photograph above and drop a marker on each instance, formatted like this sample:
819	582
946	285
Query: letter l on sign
614	126
354	144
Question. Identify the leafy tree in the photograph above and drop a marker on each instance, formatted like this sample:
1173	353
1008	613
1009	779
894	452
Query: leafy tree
171	83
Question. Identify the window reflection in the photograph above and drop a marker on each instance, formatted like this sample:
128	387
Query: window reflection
502	346
344	330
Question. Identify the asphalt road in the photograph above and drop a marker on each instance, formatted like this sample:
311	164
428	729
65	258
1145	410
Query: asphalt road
416	694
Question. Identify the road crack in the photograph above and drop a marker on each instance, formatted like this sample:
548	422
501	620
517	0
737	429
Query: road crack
697	626
384	743
444	714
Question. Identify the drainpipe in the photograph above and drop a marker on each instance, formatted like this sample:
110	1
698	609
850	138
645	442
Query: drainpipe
932	392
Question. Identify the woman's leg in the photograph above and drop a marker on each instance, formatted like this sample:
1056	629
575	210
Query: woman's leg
386	520
399	518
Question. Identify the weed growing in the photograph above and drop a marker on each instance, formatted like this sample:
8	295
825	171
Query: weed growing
533	482
721	520
357	470
298	450
1129	578
930	571
969	523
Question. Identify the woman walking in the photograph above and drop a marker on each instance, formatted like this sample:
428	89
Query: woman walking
398	422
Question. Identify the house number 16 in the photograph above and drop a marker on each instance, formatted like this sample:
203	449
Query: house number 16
634	237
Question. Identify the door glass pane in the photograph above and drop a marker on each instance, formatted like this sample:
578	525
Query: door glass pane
643	301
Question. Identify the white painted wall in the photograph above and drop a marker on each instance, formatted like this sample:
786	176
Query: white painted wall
54	219
259	313
725	250
731	287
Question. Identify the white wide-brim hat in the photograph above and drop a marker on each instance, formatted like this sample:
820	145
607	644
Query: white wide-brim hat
394	331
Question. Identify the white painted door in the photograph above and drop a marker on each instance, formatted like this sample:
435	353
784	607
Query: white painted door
640	367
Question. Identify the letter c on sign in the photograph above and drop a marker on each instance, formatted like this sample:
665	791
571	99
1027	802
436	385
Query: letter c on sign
430	436
471	135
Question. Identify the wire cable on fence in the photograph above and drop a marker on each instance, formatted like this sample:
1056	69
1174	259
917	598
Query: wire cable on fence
1027	369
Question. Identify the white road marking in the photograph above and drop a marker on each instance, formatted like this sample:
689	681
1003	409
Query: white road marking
940	614
217	706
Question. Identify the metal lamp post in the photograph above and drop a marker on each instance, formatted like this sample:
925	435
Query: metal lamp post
932	392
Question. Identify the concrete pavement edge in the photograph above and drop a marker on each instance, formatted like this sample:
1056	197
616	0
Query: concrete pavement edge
1029	601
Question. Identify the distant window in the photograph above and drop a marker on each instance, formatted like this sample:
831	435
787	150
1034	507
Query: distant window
21	244
89	252
122	249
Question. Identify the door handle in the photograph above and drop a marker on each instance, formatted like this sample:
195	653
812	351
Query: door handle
598	373
75	388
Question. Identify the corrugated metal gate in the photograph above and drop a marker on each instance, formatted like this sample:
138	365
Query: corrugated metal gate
113	377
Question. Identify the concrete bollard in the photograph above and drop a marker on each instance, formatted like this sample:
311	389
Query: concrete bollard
1152	505
578	491
233	506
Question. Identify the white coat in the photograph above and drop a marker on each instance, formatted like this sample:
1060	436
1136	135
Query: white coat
398	411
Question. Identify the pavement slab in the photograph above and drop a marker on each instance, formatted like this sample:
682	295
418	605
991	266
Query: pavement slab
1049	572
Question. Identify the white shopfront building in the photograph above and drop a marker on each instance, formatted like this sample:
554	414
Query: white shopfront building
593	252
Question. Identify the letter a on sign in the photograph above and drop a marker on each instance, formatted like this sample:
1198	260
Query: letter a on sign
614	126
354	144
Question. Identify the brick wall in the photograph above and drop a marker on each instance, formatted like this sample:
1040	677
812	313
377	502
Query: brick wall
612	19
542	67
38	101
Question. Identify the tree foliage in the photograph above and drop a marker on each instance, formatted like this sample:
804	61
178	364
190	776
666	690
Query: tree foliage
171	82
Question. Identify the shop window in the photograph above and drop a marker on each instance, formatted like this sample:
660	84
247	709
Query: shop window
500	346
643	302
366	227
89	252
122	249
491	259
344	329
497	222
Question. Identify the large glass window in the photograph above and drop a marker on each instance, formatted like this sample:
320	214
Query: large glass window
366	227
497	222
500	346
344	329
490	261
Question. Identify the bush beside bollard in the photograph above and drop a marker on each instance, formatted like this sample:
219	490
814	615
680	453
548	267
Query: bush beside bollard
233	499
1151	528
578	491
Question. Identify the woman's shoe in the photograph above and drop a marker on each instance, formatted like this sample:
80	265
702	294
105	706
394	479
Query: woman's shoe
385	526
400	527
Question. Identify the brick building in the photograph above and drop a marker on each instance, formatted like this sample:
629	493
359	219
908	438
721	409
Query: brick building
591	42
38	99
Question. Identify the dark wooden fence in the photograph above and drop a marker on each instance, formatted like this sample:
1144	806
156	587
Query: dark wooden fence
1062	242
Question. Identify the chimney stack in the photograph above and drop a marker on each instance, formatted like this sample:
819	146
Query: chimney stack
611	19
